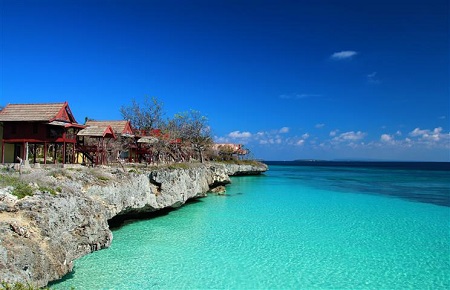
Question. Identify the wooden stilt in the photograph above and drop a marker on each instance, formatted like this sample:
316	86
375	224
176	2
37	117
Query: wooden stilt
3	151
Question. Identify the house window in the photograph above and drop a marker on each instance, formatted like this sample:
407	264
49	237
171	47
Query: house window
54	132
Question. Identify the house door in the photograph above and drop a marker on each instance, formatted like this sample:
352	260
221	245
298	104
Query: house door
17	152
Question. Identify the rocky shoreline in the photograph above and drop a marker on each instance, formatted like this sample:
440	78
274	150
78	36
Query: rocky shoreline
41	235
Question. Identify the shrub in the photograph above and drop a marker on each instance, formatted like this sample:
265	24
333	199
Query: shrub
20	188
99	175
102	178
60	173
178	166
19	286
50	190
241	162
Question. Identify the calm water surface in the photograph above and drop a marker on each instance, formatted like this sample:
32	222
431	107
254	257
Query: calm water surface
294	227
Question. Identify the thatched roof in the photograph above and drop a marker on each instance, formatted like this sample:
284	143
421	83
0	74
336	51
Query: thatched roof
148	140
37	112
119	127
96	131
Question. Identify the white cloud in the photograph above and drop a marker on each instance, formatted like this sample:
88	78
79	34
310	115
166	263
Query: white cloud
239	134
284	130
350	136
386	144
301	140
428	135
319	126
373	79
386	138
346	54
333	133
418	132
271	141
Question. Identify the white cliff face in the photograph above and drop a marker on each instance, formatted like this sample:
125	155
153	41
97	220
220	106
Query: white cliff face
245	169
41	235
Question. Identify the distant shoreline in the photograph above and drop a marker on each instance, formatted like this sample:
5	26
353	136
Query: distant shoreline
404	165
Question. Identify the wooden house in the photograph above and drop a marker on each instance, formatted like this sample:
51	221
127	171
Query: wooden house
155	146
93	143
120	128
228	151
38	133
106	140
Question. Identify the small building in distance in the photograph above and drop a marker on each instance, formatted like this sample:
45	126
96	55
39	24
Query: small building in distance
103	142
229	151
38	133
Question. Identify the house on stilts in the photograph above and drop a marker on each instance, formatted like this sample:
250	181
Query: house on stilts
106	141
93	143
38	133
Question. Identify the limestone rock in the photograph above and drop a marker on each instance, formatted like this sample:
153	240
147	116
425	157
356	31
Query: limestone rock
246	169
41	235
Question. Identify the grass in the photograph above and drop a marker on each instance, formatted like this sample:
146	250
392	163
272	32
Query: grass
19	286
178	166
60	173
134	170
98	174
102	178
20	188
52	191
241	162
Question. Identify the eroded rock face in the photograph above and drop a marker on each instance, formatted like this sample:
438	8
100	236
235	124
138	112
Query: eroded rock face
246	169
41	235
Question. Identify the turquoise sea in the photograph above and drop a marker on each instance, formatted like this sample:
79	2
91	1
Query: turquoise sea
294	227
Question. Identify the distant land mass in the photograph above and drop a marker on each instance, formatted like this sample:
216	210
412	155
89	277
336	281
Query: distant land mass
410	165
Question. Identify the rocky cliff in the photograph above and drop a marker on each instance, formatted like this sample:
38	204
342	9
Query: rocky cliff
41	235
245	169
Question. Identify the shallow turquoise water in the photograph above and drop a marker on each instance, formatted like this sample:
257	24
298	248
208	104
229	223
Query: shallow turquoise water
294	227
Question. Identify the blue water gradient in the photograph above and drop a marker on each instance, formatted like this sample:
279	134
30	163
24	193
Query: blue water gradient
294	227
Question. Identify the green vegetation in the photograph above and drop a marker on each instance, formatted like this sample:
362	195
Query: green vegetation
98	174
178	166
103	178
241	162
60	173
50	190
19	286
20	188
133	170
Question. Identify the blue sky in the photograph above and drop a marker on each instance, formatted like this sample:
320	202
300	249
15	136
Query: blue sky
289	79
